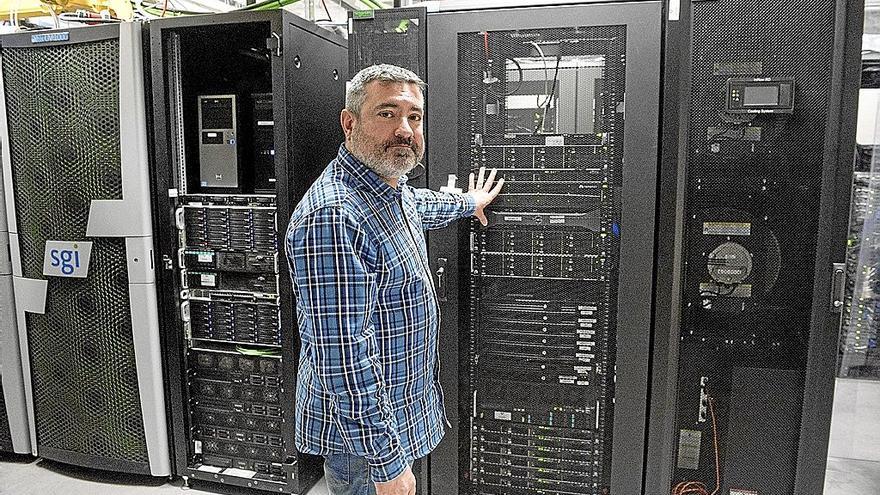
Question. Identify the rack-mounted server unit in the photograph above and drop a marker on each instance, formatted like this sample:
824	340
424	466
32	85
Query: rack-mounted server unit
232	341
544	334
73	132
751	279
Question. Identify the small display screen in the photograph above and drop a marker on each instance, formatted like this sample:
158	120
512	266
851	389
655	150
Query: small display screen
761	96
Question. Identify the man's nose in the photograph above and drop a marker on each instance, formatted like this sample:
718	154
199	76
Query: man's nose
404	129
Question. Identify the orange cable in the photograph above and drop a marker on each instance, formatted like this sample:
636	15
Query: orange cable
715	439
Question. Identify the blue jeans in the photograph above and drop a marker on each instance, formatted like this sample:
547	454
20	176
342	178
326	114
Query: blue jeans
348	474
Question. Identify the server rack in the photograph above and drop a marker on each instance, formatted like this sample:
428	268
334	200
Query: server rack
752	245
78	205
14	434
231	343
547	311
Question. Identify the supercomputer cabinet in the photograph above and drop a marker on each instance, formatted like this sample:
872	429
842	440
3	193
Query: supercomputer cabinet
239	134
750	281
75	171
14	434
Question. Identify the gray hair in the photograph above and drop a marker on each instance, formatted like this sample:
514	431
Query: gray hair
356	93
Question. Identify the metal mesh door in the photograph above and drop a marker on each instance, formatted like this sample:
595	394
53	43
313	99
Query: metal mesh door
63	124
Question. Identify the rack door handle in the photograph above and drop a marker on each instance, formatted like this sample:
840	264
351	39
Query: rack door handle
441	279
838	287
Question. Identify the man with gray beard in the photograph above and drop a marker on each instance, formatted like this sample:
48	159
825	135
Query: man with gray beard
368	391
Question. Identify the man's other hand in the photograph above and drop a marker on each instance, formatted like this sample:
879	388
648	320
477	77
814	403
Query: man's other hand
483	192
405	484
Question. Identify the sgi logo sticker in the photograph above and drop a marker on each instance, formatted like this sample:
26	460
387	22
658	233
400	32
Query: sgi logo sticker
67	259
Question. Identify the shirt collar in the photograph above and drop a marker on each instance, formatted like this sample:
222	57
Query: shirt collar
364	177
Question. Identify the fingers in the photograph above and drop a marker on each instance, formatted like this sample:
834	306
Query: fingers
481	216
497	189
471	182
482	178
490	180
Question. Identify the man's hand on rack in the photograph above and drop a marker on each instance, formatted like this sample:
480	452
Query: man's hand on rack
483	192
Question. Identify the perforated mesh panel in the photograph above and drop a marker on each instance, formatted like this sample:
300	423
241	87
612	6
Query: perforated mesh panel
391	37
63	123
755	205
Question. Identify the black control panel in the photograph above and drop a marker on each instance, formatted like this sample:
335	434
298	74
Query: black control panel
760	95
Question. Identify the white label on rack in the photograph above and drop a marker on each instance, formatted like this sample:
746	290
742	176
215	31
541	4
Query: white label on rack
554	141
208	279
206	257
504	416
210	469
239	473
197	446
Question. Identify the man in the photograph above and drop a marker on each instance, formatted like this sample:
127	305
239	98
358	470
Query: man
368	391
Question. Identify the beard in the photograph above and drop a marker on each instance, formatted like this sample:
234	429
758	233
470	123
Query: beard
389	159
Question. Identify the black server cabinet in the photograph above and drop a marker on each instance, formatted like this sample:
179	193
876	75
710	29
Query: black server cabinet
753	241
547	312
397	37
231	337
78	203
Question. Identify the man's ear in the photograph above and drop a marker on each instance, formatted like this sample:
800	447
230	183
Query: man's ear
347	121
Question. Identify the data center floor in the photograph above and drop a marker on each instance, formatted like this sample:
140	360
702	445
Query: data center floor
30	477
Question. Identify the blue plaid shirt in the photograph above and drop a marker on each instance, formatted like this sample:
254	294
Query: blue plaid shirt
368	317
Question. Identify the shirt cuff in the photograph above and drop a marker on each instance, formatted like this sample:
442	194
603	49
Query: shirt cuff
470	205
389	467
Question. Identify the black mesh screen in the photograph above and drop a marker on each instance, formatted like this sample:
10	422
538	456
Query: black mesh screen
544	107
752	209
63	123
389	37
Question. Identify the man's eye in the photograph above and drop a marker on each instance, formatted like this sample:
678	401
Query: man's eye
386	114
416	117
